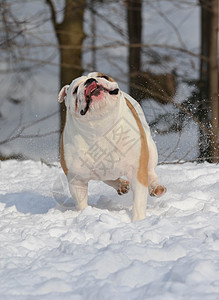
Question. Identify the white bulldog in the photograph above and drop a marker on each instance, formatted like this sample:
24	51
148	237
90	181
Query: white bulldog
106	136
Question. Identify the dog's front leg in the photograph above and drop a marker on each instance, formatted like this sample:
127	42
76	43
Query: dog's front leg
140	192
79	191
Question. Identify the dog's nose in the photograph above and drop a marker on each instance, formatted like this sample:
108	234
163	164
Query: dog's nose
89	81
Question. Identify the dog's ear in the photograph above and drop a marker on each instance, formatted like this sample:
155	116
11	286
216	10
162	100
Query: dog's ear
63	93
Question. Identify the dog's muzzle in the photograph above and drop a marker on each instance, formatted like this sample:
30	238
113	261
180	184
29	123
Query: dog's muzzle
92	87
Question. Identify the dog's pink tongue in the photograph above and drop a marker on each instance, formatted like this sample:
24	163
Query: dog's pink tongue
90	88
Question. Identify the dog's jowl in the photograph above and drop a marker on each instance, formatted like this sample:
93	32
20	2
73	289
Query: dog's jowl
106	136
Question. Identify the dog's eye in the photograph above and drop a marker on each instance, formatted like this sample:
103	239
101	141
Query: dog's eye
75	90
104	76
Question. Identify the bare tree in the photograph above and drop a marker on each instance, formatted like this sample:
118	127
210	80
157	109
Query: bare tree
144	84
134	23
209	113
70	37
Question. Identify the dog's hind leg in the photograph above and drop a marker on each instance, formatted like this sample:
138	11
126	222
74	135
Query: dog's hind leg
155	189
140	192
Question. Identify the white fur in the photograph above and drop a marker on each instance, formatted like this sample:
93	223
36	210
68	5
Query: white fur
104	144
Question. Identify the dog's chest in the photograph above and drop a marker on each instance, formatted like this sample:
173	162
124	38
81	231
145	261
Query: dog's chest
109	156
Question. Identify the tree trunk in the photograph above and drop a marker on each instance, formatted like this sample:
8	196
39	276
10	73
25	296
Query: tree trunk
213	80
70	38
134	21
209	79
143	83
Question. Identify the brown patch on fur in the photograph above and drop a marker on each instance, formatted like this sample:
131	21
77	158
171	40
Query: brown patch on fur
142	174
62	156
108	77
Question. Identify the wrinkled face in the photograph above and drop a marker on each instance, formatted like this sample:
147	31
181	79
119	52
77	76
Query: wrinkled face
90	96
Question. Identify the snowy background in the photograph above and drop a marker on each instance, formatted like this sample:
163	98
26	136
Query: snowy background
50	252
38	88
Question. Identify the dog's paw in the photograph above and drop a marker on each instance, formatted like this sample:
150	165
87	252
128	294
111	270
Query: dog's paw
158	191
123	186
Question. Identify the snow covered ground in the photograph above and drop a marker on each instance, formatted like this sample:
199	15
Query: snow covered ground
50	252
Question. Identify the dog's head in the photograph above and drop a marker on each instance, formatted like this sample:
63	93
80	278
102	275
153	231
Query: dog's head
90	96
